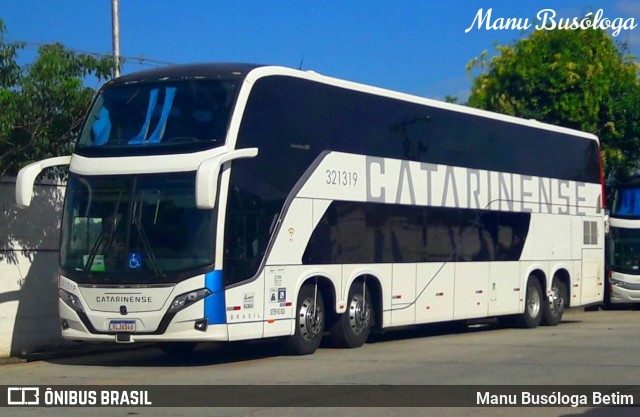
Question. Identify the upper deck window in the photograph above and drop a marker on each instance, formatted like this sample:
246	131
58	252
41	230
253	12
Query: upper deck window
627	202
159	117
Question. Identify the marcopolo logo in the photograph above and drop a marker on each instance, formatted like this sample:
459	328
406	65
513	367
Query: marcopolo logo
23	396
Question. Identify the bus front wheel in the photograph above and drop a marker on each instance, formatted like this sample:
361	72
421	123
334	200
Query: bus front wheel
352	328
310	320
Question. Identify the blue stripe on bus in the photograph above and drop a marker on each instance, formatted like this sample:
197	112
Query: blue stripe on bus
214	304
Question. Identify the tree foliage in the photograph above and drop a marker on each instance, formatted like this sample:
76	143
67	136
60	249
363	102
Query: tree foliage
575	78
42	104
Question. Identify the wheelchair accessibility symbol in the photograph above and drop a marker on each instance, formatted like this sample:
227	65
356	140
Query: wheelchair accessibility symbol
135	260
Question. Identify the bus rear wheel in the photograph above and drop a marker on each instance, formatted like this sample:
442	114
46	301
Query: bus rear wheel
310	319
533	305
352	328
553	308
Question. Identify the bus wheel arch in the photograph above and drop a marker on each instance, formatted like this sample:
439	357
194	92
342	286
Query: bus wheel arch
554	306
328	290
352	328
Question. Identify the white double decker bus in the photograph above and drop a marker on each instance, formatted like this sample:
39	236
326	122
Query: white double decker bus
219	202
623	245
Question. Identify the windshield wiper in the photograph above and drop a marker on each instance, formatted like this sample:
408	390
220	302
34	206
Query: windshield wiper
136	220
94	252
112	233
147	246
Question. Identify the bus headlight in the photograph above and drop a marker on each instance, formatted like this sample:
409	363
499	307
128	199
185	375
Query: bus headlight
619	283
187	299
71	300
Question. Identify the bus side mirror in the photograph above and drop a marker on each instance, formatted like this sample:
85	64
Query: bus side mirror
208	172
27	176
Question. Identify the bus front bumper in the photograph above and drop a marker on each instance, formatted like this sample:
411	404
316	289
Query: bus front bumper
622	295
191	330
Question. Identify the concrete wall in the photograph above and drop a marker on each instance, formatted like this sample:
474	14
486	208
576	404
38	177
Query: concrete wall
29	241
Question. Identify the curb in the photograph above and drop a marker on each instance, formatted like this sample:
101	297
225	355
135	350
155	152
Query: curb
11	360
71	351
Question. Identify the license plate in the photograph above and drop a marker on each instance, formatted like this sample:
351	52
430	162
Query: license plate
122	326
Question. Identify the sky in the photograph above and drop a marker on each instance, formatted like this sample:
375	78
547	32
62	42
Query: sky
414	46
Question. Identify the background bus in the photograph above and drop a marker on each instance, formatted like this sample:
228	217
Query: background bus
228	202
623	244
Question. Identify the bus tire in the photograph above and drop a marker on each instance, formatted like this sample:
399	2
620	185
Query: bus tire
553	309
352	328
309	322
177	349
532	314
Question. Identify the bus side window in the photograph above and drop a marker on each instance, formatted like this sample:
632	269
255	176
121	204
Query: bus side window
413	135
505	242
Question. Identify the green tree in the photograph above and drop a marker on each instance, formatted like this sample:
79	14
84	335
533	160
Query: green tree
451	99
42	104
575	78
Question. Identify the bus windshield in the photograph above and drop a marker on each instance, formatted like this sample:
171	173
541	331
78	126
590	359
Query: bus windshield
192	113
134	229
626	202
625	249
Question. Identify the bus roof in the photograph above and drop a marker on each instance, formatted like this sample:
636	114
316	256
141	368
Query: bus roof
264	71
255	71
186	71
